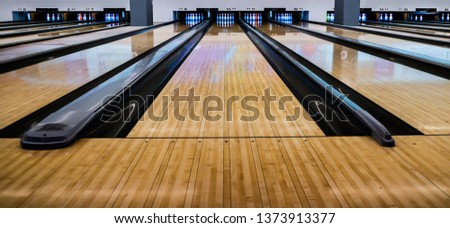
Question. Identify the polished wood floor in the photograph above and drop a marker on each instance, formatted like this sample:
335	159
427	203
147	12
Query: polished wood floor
59	33
418	98
237	164
230	67
303	172
49	45
27	89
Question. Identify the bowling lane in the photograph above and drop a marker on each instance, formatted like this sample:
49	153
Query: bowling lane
224	70
416	47
403	30
27	89
419	98
48	45
36	37
43	27
416	26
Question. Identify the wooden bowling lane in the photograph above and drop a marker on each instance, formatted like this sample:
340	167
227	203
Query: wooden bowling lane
10	53
329	171
416	47
43	27
225	66
419	98
37	37
27	89
403	30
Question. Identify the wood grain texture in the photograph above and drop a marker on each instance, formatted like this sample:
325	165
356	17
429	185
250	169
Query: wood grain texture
244	173
371	176
430	50
48	45
399	89
231	70
27	89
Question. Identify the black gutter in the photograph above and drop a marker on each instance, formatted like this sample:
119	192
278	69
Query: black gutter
407	26
307	82
13	27
84	116
138	96
17	128
31	32
424	63
398	36
23	61
60	36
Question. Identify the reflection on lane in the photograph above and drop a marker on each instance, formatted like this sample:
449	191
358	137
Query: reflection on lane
28	89
416	47
12	31
37	37
419	98
400	29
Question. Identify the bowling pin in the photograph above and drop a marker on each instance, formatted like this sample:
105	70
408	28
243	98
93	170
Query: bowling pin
391	17
415	18
84	17
386	17
58	18
48	17
443	17
448	17
421	18
29	16
332	17
364	17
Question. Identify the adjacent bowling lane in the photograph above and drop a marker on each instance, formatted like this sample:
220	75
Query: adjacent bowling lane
28	89
404	30
416	47
43	27
419	98
13	52
54	34
225	70
416	26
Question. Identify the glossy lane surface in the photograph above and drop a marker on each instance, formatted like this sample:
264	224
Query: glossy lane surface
28	89
419	98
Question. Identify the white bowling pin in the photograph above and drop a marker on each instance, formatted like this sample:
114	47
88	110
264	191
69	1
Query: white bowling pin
84	17
421	18
448	17
364	17
29	16
57	17
415	18
48	17
391	17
